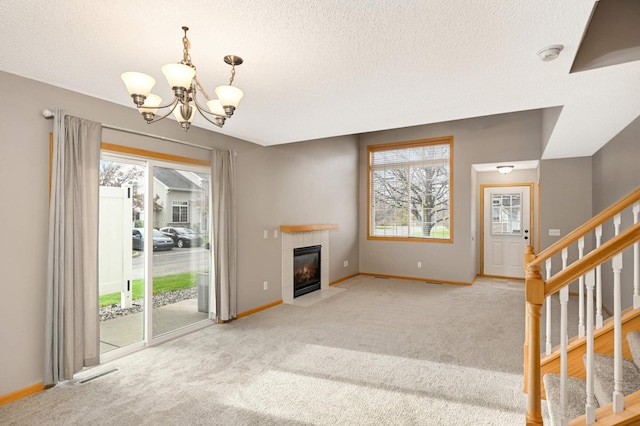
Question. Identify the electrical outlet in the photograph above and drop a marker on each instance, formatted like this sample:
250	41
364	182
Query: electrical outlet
265	285
275	233
419	264
266	234
346	263
554	232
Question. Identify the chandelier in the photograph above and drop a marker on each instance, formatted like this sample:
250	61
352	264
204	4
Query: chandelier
185	85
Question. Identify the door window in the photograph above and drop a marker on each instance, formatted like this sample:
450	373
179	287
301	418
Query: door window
506	214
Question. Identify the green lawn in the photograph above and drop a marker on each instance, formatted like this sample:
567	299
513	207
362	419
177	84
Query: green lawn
439	231
160	285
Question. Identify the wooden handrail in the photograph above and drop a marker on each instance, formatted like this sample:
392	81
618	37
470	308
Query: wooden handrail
593	259
535	292
536	289
588	226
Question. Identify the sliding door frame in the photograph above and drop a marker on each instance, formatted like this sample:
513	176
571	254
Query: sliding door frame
153	159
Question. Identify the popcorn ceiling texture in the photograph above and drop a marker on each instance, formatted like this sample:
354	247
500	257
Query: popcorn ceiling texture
316	69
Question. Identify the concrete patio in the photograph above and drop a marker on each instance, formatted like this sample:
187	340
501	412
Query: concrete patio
119	332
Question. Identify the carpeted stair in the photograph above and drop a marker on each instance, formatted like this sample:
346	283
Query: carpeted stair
575	397
602	384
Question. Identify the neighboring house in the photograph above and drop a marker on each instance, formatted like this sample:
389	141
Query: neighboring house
183	197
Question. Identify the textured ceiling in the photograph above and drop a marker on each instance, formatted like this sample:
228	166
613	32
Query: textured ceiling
320	68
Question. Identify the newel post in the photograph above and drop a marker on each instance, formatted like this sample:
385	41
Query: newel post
534	290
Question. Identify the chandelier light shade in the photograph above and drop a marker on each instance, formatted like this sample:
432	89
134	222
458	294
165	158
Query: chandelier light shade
138	83
178	75
183	81
215	106
229	95
151	104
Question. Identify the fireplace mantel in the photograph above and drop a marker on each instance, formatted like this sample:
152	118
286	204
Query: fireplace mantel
307	228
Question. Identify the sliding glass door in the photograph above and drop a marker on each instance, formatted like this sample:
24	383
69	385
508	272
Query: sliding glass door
181	273
120	265
154	254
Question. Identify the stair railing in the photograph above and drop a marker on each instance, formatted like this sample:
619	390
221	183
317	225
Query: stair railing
588	273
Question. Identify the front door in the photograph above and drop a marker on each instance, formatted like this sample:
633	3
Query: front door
506	229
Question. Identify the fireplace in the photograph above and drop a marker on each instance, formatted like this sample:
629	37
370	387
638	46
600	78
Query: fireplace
306	270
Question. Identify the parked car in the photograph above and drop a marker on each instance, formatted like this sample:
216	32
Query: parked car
160	241
182	237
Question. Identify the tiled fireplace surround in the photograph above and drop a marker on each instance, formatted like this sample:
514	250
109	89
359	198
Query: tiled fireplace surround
296	236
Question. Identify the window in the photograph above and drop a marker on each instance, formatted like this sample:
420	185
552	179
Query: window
506	214
180	211
410	191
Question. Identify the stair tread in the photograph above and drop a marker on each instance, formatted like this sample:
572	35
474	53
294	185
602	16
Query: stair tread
603	373
575	397
633	339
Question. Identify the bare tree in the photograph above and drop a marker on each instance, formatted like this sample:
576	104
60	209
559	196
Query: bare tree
118	174
421	193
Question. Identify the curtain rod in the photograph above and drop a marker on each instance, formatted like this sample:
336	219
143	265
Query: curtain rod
47	113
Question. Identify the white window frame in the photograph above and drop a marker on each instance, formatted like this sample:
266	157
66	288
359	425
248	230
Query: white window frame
180	205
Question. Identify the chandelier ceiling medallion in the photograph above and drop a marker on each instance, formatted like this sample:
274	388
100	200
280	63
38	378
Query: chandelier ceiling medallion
183	81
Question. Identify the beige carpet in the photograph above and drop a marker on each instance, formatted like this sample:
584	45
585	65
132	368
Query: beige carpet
382	352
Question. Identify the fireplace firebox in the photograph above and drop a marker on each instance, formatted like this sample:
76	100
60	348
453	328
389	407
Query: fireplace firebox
306	270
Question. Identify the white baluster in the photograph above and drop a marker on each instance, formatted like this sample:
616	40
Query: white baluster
547	267
599	319
564	299
581	292
617	220
618	397
590	409
636	262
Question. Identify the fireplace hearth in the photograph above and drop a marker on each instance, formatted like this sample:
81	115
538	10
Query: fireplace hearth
306	270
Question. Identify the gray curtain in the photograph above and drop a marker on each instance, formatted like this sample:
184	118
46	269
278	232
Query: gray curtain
72	329
223	181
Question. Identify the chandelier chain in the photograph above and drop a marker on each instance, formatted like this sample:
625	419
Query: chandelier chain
185	85
201	89
186	57
233	74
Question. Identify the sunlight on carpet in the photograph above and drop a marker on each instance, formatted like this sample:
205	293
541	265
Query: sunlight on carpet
322	385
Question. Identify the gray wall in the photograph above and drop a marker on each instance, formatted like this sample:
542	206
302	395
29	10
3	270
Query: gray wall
616	172
293	184
506	137
565	196
309	182
565	202
328	168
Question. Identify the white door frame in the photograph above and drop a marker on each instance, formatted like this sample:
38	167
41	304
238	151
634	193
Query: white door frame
482	201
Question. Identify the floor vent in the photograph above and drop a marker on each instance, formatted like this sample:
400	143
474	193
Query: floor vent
96	376
433	282
382	278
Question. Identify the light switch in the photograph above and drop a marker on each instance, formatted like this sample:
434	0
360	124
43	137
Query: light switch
554	232
266	234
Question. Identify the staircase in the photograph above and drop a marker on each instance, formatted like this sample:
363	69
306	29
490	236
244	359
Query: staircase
591	376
